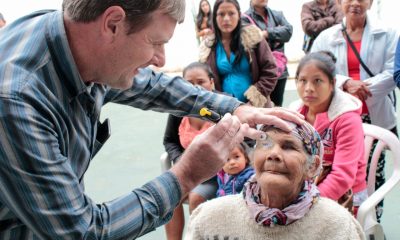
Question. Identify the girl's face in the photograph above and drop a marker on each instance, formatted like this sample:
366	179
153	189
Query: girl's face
228	17
205	7
314	87
236	162
199	77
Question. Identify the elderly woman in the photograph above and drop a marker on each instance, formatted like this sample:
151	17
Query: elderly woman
280	201
371	78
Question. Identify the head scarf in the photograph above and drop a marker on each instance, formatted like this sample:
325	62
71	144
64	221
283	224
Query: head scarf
309	194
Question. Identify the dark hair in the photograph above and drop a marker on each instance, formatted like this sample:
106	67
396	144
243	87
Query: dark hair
324	60
200	16
200	65
236	43
244	148
138	12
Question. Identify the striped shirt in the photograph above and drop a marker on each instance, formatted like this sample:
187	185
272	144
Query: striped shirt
48	127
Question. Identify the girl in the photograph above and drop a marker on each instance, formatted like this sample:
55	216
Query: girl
203	20
179	133
235	173
336	117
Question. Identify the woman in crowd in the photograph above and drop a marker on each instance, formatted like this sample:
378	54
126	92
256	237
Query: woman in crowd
396	75
316	16
372	83
280	201
204	20
336	117
277	31
179	133
239	56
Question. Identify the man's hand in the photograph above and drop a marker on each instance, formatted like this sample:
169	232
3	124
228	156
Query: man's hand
208	152
358	89
270	116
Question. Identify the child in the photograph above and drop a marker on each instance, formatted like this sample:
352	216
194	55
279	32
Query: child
235	173
179	133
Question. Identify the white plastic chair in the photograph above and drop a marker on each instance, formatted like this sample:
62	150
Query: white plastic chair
386	141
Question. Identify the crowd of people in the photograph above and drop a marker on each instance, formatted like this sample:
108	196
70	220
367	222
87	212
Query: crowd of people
260	171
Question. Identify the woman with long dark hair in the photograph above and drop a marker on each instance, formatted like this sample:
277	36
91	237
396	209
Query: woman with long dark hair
204	19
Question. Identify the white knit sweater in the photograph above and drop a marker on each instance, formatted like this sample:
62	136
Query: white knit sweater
227	218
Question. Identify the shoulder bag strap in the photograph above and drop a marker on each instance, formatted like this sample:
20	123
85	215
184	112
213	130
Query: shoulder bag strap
355	51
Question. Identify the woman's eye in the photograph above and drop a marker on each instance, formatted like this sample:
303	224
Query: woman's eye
288	146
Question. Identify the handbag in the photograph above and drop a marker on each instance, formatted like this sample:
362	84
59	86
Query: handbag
346	200
392	97
280	58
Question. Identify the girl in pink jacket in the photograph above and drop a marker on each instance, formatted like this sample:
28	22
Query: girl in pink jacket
336	116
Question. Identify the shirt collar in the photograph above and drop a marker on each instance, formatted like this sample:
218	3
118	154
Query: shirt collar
61	56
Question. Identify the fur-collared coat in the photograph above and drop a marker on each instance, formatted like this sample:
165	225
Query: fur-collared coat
263	68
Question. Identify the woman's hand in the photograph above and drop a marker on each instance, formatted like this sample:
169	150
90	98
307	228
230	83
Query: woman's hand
358	89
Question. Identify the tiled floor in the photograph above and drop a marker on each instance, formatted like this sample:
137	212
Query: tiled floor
131	157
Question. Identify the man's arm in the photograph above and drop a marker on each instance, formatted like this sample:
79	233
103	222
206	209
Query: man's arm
162	93
41	188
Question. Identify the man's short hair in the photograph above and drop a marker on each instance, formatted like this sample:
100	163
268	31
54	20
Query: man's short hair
138	12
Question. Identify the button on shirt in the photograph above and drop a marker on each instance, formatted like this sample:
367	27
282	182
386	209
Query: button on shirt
48	122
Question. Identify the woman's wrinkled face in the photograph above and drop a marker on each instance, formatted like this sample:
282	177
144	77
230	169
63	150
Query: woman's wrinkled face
205	7
314	87
236	162
355	8
280	163
228	17
199	77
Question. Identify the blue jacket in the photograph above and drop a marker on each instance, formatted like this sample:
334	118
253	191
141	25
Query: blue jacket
235	183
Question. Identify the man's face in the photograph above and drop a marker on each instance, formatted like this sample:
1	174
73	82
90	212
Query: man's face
138	50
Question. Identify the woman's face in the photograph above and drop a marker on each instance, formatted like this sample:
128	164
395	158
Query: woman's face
205	7
314	87
355	8
236	162
228	17
259	3
280	164
199	77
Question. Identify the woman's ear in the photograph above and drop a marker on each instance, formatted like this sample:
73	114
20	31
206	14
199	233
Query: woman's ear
313	169
212	84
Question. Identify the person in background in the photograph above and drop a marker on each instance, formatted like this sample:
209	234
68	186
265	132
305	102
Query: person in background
239	57
316	16
179	133
277	31
281	201
236	171
396	75
370	76
53	85
336	116
204	20
2	21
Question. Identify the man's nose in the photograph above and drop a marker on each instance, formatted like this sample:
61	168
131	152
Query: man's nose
158	59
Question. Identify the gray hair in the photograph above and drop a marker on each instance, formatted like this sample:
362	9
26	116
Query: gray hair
138	12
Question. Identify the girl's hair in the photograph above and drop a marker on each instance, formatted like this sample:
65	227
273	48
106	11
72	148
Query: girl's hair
200	16
324	60
200	65
244	149
236	44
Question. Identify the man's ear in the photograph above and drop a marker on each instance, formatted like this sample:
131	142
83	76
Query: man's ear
314	167
113	22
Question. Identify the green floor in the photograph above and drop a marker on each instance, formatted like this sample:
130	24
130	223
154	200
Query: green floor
130	158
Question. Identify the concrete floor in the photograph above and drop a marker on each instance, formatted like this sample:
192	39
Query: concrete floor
130	158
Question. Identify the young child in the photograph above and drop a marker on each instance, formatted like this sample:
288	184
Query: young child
235	173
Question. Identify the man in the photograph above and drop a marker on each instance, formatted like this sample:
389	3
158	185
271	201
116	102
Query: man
57	70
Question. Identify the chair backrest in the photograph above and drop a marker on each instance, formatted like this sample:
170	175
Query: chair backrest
386	141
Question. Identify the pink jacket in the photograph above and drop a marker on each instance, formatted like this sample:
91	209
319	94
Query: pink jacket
343	137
